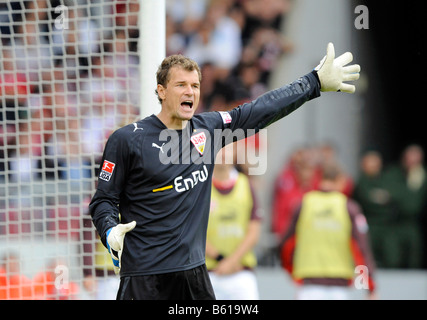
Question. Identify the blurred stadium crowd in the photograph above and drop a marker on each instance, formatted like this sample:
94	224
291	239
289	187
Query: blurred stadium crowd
392	196
63	91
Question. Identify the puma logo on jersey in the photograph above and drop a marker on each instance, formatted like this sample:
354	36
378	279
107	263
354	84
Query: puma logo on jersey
136	127
154	145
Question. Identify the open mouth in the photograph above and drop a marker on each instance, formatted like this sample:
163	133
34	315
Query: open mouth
187	103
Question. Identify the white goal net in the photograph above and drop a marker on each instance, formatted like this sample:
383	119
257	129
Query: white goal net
69	77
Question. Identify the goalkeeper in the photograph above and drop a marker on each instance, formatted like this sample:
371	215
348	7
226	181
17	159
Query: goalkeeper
152	201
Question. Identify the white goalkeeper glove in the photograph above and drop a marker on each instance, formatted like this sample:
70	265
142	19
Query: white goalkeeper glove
115	238
333	72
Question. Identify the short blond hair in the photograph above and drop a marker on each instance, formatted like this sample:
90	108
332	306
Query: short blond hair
176	60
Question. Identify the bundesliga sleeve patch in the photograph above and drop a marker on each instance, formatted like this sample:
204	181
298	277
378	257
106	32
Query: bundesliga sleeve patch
226	118
107	170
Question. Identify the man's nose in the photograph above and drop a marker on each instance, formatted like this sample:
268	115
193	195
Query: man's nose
189	90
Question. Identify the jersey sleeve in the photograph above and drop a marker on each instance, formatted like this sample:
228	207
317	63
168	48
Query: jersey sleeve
273	105
104	206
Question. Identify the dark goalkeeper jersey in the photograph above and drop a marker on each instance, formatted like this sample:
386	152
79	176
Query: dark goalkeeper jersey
162	178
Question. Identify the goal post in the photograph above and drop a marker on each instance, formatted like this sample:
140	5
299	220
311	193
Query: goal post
152	50
71	72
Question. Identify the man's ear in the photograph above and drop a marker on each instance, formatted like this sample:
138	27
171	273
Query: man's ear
161	91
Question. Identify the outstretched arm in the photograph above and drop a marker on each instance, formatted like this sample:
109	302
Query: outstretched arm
330	75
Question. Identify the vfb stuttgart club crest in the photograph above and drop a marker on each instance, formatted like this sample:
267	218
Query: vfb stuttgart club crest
199	141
